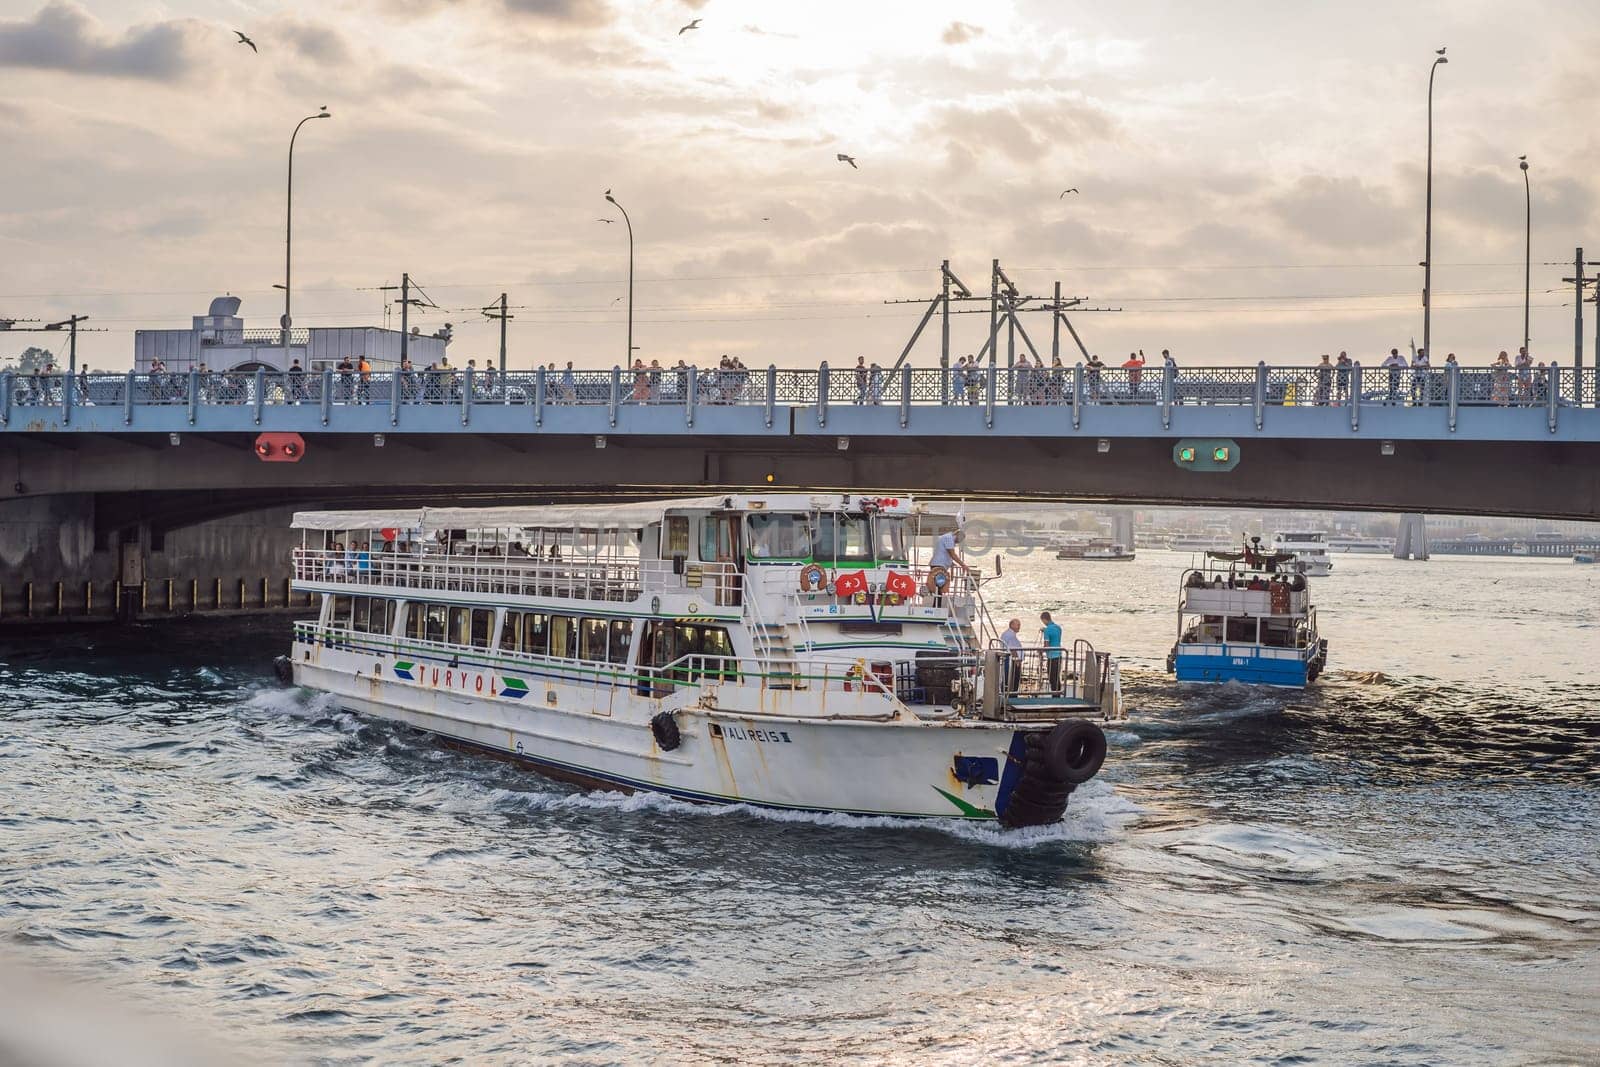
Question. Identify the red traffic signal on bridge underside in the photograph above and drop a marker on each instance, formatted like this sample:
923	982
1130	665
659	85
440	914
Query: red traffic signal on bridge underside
280	447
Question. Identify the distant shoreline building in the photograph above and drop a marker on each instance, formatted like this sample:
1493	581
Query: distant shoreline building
219	340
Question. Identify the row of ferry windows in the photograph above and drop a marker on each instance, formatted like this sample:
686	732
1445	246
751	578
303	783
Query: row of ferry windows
531	633
825	537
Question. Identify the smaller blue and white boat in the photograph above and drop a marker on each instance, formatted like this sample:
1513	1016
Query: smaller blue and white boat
1241	619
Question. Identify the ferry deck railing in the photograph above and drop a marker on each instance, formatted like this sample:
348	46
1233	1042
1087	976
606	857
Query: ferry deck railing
576	578
1024	678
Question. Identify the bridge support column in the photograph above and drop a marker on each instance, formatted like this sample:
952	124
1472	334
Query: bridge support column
690	390
1077	394
539	385
1261	395
1453	392
1355	398
6	379
822	394
1552	392
1411	539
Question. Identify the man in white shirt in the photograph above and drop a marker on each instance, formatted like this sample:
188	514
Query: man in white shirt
944	551
1394	365
1011	638
1419	377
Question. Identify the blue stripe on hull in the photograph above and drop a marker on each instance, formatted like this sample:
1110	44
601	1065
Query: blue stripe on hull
1280	672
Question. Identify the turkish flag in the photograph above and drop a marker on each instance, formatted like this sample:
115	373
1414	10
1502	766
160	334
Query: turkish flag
901	585
388	534
850	584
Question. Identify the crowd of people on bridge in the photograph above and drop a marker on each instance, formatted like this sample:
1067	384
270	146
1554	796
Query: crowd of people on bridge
1395	380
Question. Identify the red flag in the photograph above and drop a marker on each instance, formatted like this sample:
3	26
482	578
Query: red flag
850	584
901	585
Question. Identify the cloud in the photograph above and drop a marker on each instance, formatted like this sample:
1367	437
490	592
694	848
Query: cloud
960	33
63	36
1025	134
1343	212
550	12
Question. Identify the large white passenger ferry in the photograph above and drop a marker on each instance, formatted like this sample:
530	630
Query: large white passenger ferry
793	650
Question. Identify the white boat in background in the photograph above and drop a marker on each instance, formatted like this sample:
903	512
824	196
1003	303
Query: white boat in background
1310	551
785	650
1361	545
1092	549
1193	543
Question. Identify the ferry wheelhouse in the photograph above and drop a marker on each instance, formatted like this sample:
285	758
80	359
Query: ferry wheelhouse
792	651
1241	619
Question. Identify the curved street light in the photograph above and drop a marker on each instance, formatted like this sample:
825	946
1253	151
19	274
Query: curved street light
1527	252
628	360
1427	226
288	232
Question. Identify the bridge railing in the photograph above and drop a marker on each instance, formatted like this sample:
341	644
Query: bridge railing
1085	384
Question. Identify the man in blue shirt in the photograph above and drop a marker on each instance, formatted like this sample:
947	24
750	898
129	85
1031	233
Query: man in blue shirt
1050	637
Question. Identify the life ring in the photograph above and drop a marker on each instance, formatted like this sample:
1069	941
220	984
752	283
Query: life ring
812	578
938	579
665	730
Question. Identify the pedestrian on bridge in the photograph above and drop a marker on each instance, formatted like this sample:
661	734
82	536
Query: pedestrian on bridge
1524	376
1094	367
1341	378
1421	378
1134	365
861	379
1395	364
1324	380
297	382
958	380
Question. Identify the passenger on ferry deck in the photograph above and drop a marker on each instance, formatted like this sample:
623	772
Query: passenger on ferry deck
1050	632
944	551
1011	638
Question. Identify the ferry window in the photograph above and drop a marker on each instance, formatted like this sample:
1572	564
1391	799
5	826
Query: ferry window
842	538
715	641
716	538
340	616
415	614
889	538
536	634
779	536
563	637
482	627
379	616
437	614
675	542
511	632
592	645
460	626
621	635
358	614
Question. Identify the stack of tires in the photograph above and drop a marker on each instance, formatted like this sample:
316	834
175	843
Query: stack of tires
1054	764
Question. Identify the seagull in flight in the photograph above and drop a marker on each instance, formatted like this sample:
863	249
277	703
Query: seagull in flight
693	25
245	40
1064	192
842	158
618	298
606	221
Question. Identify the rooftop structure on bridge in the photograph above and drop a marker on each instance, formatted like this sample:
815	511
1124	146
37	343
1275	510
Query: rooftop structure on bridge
220	340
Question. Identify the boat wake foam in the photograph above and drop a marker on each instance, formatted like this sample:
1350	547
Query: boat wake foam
1097	814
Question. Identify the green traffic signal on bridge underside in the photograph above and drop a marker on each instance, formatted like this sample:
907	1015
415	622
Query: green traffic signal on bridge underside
1206	454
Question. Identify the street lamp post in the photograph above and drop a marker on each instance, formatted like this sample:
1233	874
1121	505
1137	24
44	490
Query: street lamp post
1427	226
1527	252
288	232
628	360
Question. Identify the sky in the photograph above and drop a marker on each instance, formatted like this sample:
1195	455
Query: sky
1250	175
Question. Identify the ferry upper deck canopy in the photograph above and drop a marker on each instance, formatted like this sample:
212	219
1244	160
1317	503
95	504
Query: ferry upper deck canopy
630	516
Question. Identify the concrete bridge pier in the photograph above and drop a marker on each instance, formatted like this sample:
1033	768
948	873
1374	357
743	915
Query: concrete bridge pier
85	557
1411	540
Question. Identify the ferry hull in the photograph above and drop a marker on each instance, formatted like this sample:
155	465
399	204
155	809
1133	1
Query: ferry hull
1247	669
865	768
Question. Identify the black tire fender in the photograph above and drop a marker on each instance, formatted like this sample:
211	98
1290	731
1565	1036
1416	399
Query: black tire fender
664	727
1074	751
284	670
